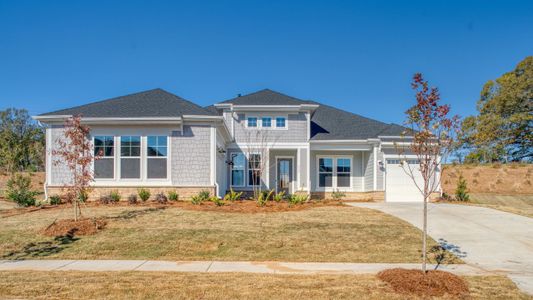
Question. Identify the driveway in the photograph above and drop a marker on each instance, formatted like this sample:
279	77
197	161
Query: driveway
482	237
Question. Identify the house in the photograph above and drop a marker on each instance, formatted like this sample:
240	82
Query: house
157	140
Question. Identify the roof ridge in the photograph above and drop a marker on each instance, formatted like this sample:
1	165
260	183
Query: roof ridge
264	90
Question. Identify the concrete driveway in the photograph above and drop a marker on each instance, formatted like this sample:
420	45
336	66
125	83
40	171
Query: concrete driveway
483	237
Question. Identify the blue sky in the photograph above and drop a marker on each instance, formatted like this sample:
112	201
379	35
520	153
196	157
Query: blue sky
356	55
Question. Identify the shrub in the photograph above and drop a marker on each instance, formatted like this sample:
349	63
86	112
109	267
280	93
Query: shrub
173	196
54	200
338	195
18	190
279	196
132	199
105	199
298	199
161	198
232	195
83	196
201	197
263	197
217	201
115	196
461	192
144	194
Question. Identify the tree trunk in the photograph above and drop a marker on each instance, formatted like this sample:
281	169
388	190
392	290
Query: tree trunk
425	232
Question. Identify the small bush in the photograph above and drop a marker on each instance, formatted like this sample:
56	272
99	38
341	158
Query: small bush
279	196
338	195
105	199
83	196
115	196
18	190
173	196
263	197
132	199
54	200
144	194
161	198
217	201
461	192
201	197
296	199
232	195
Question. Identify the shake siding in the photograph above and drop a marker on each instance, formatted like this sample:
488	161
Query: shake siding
191	156
61	174
296	132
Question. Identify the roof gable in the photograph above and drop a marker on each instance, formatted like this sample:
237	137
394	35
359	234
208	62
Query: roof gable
151	103
266	97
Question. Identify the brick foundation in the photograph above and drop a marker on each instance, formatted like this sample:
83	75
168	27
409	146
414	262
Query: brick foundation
356	196
184	193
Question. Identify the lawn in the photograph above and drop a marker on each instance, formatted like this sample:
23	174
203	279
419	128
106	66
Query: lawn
517	204
322	234
149	285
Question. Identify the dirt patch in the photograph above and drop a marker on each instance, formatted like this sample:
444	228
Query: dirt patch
502	179
86	226
433	284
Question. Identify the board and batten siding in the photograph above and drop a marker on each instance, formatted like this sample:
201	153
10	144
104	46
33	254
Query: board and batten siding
296	131
369	171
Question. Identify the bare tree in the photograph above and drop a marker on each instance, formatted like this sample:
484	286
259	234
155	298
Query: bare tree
75	150
428	142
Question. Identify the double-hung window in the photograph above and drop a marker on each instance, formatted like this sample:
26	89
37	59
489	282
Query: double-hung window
266	122
325	172
252	122
237	169
254	169
334	172
130	157
104	151
280	122
157	154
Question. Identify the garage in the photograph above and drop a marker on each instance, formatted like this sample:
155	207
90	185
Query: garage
399	187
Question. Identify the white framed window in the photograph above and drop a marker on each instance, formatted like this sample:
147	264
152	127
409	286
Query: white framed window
266	122
325	172
156	157
130	157
251	122
254	169
334	172
104	150
281	122
237	169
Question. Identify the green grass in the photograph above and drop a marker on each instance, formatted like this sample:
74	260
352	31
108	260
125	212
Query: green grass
336	234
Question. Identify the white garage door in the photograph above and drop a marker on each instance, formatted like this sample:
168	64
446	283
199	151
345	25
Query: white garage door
399	187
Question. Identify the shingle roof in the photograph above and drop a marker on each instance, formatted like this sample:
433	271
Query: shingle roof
151	103
327	123
266	97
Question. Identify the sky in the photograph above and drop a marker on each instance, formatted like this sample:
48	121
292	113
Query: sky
356	55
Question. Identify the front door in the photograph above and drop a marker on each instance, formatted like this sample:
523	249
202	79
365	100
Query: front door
284	176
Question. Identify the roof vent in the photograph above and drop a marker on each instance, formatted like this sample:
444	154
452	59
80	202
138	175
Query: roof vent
238	95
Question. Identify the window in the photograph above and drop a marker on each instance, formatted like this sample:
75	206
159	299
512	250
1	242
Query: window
334	172
254	169
343	172
237	169
130	157
252	122
266	122
325	172
156	161
104	149
280	122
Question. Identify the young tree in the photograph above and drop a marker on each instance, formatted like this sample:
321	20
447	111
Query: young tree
75	151
430	140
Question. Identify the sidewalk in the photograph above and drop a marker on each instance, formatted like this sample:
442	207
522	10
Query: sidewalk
222	266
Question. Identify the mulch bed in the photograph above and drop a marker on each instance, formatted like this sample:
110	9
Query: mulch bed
85	226
433	284
250	206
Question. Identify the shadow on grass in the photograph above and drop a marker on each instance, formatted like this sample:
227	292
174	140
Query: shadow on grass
43	249
444	252
132	214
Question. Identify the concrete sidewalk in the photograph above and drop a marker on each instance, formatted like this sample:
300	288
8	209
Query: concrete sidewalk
221	266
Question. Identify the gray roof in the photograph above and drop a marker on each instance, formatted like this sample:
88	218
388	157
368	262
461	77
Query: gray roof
151	103
327	123
266	97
